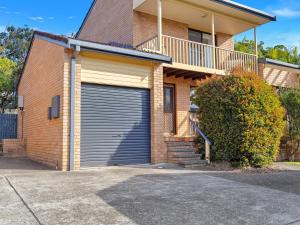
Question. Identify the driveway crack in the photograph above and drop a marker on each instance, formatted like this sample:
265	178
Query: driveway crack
23	201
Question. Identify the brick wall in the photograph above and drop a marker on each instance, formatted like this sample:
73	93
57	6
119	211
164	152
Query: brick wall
158	145
13	147
110	20
225	41
279	76
42	79
145	27
115	21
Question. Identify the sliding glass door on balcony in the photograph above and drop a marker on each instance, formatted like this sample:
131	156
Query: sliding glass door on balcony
200	55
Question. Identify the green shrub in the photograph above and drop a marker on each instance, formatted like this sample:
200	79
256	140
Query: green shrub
291	101
243	117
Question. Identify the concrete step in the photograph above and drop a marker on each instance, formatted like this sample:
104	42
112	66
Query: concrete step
182	150
180	144
186	156
193	163
185	153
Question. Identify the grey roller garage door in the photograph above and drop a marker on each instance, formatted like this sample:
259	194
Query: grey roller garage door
115	125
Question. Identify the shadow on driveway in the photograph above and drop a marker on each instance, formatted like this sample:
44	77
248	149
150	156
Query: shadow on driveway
199	199
288	181
20	165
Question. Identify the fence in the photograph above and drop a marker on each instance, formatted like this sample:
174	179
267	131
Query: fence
8	126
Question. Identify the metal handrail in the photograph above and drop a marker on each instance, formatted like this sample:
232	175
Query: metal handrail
208	143
195	126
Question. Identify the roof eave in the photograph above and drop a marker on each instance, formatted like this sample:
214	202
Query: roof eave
247	9
278	63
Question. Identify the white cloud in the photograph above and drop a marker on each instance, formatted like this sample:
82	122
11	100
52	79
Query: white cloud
51	18
71	17
37	18
286	12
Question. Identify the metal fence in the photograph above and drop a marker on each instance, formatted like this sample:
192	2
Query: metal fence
8	126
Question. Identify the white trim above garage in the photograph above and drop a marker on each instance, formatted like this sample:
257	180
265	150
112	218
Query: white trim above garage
108	72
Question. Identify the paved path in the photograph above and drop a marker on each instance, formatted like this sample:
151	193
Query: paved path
116	195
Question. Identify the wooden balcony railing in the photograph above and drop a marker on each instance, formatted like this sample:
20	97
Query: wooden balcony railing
201	55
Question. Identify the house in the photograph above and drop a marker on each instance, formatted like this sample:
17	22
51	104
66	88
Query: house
119	93
280	74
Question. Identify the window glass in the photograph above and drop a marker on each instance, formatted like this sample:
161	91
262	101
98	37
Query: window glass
168	99
193	107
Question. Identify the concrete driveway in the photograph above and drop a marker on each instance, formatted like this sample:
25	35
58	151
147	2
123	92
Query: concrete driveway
123	195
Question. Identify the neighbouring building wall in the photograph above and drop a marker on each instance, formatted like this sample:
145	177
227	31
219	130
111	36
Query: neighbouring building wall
279	76
42	79
109	21
145	27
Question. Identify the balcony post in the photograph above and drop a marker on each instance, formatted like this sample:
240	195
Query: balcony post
256	49
159	26
213	39
255	41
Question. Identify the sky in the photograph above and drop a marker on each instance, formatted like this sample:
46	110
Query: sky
66	16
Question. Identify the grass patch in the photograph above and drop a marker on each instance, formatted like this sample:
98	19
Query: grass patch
293	163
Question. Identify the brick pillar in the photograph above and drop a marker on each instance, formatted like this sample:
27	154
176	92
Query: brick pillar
158	146
261	67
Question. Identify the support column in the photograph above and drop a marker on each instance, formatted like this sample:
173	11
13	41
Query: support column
158	145
213	34
255	41
256	49
159	26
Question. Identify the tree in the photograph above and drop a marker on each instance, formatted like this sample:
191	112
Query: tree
7	68
278	52
291	101
14	45
248	46
243	117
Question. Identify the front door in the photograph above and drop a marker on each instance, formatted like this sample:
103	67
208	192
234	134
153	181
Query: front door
169	109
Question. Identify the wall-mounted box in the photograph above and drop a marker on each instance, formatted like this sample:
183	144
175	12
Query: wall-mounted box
55	107
20	102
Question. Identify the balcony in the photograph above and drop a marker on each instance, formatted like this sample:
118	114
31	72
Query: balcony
200	57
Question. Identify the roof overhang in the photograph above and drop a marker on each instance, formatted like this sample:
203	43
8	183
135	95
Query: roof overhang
230	17
81	45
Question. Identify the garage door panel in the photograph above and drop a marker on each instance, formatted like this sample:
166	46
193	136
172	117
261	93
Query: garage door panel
115	125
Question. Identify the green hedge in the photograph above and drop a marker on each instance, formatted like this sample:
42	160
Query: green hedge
243	117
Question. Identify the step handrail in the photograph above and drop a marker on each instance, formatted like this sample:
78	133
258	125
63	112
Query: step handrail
208	143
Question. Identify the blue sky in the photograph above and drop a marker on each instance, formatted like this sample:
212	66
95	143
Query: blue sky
65	17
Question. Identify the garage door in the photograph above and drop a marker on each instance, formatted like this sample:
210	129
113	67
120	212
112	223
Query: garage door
115	125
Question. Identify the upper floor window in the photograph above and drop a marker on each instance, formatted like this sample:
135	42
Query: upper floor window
200	37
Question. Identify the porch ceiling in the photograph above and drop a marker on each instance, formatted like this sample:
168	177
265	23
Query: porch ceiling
179	73
196	14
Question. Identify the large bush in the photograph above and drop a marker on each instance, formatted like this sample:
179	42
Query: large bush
243	117
291	101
